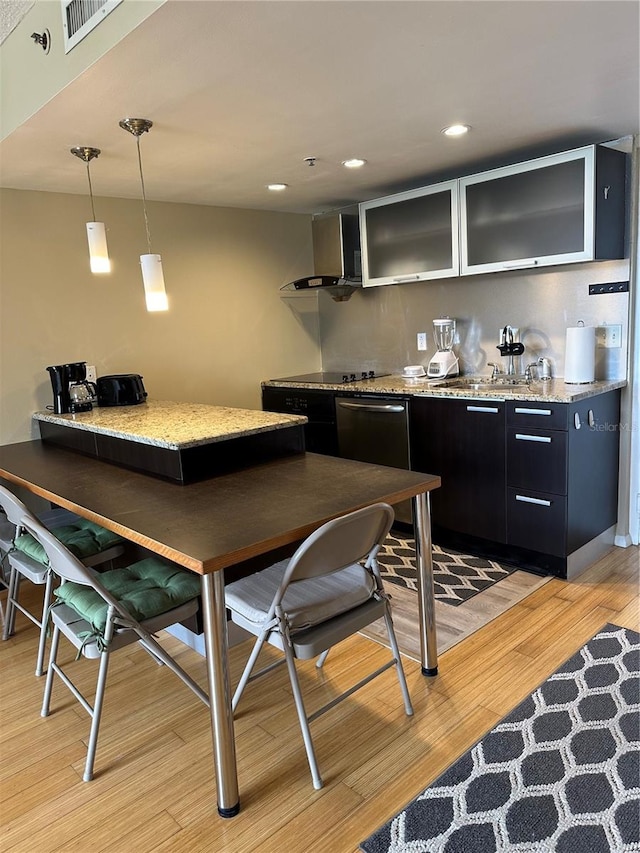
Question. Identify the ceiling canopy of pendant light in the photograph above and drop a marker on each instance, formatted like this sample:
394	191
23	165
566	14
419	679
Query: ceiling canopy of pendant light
96	232
151	265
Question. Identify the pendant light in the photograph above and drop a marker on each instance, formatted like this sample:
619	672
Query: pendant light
96	233
152	275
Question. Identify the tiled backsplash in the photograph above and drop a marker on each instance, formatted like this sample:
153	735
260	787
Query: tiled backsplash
377	328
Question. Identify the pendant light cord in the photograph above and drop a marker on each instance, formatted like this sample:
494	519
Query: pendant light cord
144	197
93	210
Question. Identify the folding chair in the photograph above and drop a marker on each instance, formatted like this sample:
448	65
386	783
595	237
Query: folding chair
322	595
100	613
27	559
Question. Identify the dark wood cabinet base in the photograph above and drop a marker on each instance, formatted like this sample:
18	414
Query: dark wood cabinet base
187	465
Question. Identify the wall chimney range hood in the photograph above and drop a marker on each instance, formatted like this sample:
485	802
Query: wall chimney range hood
336	257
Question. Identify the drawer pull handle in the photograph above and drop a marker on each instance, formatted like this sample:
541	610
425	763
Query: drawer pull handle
400	278
520	411
591	420
537	501
493	410
544	439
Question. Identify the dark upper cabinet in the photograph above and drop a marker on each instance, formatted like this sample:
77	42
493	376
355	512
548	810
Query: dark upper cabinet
560	209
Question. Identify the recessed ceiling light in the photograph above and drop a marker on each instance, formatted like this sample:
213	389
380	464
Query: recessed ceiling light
276	188
456	130
354	163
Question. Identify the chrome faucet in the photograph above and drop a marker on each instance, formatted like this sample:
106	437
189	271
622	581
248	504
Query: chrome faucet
496	369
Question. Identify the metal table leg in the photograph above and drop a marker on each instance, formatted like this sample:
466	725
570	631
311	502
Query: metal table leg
426	599
224	749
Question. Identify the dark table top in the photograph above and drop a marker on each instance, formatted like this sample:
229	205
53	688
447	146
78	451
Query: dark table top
216	523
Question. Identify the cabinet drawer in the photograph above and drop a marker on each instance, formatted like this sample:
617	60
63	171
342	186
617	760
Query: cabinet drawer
537	415
537	459
537	521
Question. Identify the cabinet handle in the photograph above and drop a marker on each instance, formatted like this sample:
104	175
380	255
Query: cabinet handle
591	420
544	439
400	278
537	501
520	411
493	410
520	265
371	407
576	420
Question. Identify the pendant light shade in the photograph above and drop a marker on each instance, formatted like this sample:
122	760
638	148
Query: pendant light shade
153	280
151	265
98	252
96	232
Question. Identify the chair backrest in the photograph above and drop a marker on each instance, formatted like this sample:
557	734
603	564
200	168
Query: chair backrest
65	564
13	507
340	542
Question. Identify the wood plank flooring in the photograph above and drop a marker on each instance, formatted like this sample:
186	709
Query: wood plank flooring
154	788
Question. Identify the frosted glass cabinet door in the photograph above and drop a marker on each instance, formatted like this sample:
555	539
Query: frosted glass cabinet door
410	236
559	209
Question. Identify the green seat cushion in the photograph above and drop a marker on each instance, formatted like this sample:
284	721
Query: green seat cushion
145	589
83	538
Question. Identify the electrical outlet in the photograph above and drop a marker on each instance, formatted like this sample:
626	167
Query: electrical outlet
422	340
91	373
609	336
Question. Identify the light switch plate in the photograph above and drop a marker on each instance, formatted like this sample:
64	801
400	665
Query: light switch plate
609	336
91	373
422	340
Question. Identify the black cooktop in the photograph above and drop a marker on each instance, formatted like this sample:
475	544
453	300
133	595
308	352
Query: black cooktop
332	377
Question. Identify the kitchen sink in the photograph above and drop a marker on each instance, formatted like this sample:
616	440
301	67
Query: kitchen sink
499	386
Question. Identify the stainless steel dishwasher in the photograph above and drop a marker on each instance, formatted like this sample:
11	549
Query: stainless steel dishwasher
375	429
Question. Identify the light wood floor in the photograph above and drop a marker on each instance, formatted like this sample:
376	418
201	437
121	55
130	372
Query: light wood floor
154	788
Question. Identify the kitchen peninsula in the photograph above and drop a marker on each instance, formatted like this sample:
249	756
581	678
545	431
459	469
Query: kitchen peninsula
180	441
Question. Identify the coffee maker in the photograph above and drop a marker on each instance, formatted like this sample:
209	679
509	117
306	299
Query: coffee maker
71	391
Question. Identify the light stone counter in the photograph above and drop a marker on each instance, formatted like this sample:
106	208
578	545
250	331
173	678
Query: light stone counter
550	391
174	426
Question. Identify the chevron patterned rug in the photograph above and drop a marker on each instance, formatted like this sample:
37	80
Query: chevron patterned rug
456	577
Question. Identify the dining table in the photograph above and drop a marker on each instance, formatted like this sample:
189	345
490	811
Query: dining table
221	522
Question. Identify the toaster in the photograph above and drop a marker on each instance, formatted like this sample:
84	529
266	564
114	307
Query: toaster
122	389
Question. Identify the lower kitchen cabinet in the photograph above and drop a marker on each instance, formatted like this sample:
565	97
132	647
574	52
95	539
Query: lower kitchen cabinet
320	432
562	475
463	442
530	483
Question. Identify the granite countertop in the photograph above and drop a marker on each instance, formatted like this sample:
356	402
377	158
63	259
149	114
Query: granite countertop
173	425
549	391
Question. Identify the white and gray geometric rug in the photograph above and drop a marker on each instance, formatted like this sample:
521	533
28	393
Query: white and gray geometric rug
559	774
456	577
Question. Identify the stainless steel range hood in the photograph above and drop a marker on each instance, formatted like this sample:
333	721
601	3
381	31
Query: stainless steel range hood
336	257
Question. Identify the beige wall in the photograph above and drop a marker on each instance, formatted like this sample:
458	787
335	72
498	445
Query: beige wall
29	77
227	328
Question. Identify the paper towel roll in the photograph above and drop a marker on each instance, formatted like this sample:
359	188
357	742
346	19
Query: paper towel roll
580	355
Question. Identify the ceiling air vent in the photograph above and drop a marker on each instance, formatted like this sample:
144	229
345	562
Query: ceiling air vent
79	17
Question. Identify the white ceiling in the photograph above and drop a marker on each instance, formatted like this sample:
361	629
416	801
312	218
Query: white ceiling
240	92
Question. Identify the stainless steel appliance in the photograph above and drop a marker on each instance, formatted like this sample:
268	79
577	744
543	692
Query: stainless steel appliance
375	429
336	256
122	389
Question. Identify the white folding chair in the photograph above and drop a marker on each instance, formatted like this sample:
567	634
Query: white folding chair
322	595
102	612
27	559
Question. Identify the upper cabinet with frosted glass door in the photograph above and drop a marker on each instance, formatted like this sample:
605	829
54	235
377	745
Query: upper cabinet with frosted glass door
553	210
410	236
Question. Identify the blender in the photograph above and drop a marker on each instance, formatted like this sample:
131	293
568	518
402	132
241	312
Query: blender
444	362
